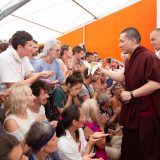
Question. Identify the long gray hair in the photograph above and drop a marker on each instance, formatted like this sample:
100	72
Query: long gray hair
49	45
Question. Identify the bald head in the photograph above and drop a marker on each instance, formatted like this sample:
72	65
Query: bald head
155	38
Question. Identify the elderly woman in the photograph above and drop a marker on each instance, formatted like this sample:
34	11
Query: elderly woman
49	62
10	148
17	121
42	140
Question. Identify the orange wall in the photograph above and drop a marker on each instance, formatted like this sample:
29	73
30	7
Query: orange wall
73	38
103	35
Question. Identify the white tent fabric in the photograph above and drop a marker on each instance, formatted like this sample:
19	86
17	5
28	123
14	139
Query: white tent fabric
46	19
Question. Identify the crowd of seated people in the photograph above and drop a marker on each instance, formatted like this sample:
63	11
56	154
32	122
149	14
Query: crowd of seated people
83	109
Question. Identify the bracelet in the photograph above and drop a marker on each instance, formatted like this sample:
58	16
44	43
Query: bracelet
131	92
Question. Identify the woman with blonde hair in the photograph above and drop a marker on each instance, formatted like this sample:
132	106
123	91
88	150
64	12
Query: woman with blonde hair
94	123
17	121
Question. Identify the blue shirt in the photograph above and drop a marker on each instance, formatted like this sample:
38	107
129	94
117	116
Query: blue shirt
41	65
53	156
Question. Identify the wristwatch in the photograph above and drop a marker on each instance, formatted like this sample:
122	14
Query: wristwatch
131	92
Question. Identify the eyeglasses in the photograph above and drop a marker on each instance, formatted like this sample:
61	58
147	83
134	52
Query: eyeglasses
57	50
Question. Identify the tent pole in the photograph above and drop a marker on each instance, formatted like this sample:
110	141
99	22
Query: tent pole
158	13
83	35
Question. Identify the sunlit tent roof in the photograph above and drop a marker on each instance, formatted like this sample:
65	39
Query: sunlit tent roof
46	19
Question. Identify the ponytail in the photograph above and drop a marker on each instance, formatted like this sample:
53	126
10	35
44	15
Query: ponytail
68	115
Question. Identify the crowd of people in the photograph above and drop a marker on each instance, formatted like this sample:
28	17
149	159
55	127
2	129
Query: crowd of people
65	103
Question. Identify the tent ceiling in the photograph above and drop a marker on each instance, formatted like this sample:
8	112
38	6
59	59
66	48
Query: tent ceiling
46	19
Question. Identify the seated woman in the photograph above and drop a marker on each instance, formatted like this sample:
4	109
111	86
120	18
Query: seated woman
72	144
42	140
17	121
10	148
94	123
64	96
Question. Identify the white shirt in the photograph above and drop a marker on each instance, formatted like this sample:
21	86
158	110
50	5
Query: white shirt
69	149
24	126
12	67
34	115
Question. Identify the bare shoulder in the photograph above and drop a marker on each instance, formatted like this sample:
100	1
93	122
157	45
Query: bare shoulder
10	125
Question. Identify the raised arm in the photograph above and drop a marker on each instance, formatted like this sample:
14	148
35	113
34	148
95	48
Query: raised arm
33	77
117	76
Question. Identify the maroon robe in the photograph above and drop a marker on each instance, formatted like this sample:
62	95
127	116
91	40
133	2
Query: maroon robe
140	117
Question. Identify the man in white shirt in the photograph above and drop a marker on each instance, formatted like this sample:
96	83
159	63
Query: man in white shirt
14	63
155	40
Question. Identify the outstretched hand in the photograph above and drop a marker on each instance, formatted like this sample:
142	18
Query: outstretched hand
46	74
89	157
96	137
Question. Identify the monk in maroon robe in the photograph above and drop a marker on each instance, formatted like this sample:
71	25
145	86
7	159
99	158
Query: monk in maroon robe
140	114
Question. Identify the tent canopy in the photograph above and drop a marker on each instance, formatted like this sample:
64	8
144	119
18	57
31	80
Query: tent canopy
46	19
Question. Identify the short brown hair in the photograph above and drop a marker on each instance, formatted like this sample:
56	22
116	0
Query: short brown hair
20	38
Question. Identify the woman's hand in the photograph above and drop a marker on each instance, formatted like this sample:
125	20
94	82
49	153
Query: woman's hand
54	123
52	83
41	118
46	74
74	92
96	137
89	157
